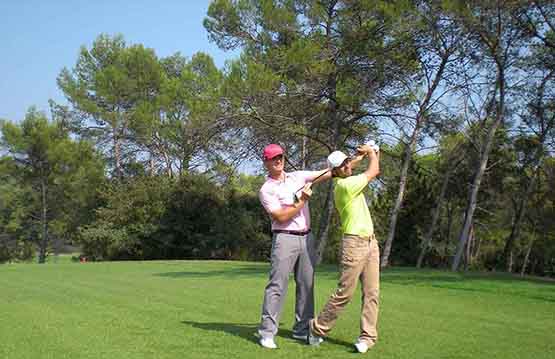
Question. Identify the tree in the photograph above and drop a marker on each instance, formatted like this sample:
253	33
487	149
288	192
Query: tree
499	39
107	86
452	159
537	119
189	128
57	175
159	114
13	210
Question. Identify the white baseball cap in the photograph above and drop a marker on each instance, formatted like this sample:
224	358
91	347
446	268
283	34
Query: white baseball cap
336	158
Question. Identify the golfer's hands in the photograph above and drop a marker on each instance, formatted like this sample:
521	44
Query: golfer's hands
365	150
306	192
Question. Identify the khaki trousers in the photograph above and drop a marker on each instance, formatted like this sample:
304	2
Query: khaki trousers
360	260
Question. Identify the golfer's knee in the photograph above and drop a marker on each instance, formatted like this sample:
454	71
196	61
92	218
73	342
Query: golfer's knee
342	296
277	283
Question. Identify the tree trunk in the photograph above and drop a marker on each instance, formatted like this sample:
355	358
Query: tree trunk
449	230
477	244
151	165
304	148
185	163
510	262
527	257
169	170
323	232
463	236
398	201
407	157
43	247
327	213
325	218
515	232
117	156
515	229
533	266
469	245
435	216
486	148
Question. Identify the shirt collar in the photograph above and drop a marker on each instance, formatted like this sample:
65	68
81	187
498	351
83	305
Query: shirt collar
286	175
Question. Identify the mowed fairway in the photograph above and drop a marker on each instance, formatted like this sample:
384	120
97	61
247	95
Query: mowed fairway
208	309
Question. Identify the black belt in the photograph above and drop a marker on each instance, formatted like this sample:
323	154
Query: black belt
294	233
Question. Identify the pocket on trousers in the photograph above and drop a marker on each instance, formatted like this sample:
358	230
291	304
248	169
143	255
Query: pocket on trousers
349	257
277	247
353	250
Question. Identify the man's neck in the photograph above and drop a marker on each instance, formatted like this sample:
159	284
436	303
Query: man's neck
278	176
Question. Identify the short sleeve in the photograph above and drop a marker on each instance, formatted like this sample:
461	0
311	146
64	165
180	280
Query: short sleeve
270	201
353	185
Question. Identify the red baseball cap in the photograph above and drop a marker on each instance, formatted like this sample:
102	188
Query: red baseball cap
271	151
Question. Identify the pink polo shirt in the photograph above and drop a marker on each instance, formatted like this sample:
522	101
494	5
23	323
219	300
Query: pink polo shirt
276	194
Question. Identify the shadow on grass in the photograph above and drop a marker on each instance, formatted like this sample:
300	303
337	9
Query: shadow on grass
493	283
248	331
245	331
234	271
286	333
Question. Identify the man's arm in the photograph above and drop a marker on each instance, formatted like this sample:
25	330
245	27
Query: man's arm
285	214
373	169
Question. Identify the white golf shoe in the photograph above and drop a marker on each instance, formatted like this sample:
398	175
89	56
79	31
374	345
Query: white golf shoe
268	343
362	347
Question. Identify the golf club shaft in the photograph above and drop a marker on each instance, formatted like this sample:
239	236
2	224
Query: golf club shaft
320	175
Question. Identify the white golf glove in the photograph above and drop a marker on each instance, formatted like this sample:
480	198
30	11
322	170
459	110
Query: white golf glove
374	145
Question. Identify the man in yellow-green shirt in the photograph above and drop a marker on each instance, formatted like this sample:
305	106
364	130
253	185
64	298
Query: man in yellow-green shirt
359	253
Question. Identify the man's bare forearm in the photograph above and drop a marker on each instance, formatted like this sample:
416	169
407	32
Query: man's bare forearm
373	169
286	213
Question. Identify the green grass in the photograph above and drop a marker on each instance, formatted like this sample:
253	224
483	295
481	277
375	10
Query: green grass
197	309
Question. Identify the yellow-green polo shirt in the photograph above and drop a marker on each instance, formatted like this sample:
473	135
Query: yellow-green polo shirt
351	205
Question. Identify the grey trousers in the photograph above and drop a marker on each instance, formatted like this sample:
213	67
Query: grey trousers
289	253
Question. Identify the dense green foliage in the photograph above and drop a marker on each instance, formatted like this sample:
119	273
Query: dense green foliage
209	309
155	217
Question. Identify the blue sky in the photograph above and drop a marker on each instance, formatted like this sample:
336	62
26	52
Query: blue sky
39	38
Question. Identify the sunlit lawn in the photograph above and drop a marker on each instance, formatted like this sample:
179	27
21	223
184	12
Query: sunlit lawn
197	309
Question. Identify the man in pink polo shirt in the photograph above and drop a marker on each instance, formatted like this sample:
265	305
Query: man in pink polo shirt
285	197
